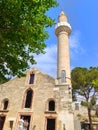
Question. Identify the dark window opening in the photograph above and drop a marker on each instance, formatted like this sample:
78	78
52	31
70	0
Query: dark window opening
28	101
2	120
51	105
63	76
31	81
26	120
5	105
50	124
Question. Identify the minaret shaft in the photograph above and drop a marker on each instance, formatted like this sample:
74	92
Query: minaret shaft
63	60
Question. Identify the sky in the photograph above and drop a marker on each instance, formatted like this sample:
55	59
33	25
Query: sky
83	41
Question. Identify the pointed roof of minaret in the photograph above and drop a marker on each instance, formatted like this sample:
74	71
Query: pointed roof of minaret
62	17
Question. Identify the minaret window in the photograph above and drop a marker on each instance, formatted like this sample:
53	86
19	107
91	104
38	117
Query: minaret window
51	105
63	76
31	81
28	100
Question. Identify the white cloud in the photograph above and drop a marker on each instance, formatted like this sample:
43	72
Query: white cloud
48	62
75	47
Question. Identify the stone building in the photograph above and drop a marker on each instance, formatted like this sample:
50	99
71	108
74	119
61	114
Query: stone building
37	100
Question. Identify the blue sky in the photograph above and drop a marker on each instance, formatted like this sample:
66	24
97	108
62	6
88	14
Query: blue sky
83	18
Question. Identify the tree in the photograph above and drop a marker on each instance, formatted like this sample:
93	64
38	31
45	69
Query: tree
85	84
23	26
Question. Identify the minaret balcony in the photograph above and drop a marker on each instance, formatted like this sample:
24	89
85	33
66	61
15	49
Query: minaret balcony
62	26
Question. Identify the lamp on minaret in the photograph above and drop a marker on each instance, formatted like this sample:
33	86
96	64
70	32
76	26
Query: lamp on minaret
62	31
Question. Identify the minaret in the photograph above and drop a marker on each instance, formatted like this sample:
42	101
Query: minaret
62	31
63	86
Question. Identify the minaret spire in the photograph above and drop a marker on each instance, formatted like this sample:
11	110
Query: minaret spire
62	17
62	31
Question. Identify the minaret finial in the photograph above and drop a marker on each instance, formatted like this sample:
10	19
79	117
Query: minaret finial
62	17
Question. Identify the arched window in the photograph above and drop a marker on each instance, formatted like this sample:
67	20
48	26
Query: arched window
63	76
51	105
5	104
28	101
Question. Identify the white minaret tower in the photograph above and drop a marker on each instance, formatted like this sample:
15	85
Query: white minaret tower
63	86
62	31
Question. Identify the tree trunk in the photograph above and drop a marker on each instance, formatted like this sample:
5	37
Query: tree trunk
90	119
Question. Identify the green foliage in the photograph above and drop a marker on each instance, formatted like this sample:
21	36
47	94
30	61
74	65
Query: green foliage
89	104
95	83
23	26
85	85
85	82
84	103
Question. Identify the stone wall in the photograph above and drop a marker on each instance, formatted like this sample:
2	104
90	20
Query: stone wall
44	90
